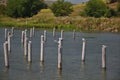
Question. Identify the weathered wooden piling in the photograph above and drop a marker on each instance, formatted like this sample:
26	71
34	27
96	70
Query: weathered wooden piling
60	53
6	58
45	36
6	33
73	34
29	51
12	31
9	42
53	32
103	56
25	32
31	33
83	49
62	33
42	49
25	46
22	37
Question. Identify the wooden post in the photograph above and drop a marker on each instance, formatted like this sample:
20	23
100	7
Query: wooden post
61	33
9	42
12	31
103	56
83	50
22	37
25	32
42	49
31	33
60	53
45	36
53	32
73	34
6	34
29	51
25	46
6	58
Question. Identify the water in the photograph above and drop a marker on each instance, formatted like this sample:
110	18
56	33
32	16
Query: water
77	1
73	68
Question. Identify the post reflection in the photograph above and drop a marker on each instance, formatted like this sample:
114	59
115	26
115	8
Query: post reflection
83	65
104	74
42	66
29	66
59	74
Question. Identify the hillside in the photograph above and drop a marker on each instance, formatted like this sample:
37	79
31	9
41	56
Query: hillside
46	19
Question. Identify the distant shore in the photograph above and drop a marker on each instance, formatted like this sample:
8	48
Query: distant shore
82	24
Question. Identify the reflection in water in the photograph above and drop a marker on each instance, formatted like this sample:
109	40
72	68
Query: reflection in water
104	74
5	74
6	70
59	74
42	67
29	66
82	65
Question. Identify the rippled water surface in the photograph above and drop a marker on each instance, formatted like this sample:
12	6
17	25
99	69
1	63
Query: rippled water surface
73	68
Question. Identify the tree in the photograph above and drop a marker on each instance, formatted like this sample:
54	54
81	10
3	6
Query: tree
24	8
97	8
61	8
112	1
118	9
2	9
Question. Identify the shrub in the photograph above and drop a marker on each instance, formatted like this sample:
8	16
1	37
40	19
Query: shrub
24	8
2	9
61	8
109	13
118	9
97	8
112	1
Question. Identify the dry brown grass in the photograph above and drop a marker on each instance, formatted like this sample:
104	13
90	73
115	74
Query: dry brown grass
77	9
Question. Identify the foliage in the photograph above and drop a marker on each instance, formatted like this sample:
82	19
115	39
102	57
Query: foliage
2	9
118	9
24	8
112	1
109	13
97	8
78	23
61	8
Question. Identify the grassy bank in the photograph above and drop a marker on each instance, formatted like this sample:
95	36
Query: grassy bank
66	23
45	19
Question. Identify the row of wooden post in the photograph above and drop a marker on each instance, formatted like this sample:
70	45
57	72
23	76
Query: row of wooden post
28	47
7	45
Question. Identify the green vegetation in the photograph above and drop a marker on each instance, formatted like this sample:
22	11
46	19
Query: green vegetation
97	8
24	8
61	8
112	1
2	9
45	19
118	7
78	23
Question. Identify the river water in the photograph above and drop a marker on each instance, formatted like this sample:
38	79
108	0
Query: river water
72	66
77	1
